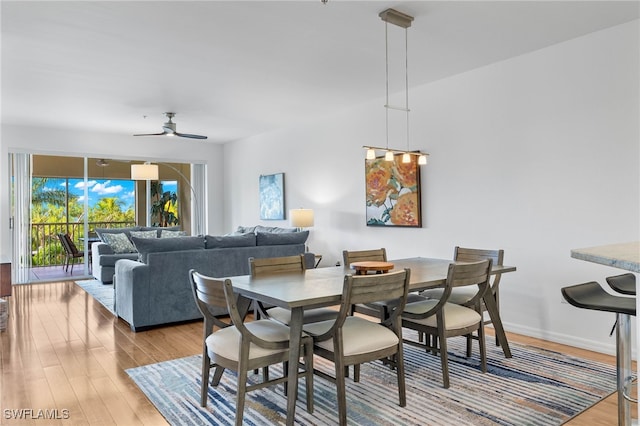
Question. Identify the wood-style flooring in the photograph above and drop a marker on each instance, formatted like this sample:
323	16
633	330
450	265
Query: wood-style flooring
64	351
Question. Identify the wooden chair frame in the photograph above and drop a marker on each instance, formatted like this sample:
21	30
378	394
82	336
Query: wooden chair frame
366	289
462	254
209	291
285	265
458	275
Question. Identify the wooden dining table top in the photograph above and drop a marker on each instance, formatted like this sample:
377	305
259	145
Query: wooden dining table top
323	286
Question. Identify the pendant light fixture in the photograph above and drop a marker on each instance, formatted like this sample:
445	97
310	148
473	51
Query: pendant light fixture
391	16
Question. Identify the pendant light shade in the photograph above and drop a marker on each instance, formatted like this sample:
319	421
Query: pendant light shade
371	154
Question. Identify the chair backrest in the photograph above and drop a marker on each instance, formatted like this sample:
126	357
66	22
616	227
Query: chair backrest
463	254
389	287
276	265
72	245
208	292
469	274
66	242
377	255
460	275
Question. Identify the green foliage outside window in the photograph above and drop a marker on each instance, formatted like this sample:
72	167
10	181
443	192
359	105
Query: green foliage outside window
56	211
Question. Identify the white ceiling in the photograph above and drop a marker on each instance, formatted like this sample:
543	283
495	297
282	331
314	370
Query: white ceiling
230	69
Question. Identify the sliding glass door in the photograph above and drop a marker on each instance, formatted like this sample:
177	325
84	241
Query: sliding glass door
56	195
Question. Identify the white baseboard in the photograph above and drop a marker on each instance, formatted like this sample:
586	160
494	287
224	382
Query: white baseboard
606	345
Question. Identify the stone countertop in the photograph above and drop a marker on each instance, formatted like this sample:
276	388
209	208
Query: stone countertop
623	255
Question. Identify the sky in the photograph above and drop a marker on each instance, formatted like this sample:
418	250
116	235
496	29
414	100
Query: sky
104	188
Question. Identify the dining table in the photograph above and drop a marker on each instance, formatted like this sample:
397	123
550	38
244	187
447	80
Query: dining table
323	287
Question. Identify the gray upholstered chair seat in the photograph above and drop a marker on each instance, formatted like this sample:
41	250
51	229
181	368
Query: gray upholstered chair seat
356	335
310	315
455	316
226	342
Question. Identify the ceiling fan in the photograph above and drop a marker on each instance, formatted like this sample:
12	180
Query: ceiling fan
169	129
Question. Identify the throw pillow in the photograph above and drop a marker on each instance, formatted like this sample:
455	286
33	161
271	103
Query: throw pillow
243	240
126	231
144	234
280	238
172	234
245	230
119	242
145	246
159	229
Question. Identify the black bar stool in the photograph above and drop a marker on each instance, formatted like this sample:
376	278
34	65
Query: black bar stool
623	284
592	296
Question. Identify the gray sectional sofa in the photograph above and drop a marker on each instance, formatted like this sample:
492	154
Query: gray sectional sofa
155	289
103	256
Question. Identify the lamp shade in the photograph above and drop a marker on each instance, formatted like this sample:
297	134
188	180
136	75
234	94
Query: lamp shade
301	218
144	172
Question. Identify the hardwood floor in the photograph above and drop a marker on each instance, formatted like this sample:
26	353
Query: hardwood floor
64	352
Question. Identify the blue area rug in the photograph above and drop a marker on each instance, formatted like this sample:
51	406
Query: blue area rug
103	293
535	387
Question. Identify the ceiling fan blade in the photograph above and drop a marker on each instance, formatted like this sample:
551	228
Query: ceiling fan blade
187	135
152	134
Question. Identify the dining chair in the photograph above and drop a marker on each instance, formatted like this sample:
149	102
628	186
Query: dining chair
462	296
283	265
443	319
70	250
378	309
242	346
352	340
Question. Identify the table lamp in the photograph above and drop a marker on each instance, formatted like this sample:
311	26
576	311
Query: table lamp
301	218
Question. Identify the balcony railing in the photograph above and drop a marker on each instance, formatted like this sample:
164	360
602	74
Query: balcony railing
46	249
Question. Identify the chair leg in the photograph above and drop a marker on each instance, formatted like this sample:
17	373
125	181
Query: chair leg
285	371
308	368
217	375
242	382
444	360
204	386
483	348
402	393
469	349
340	382
356	373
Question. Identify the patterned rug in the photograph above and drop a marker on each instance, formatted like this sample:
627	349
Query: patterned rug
103	293
535	387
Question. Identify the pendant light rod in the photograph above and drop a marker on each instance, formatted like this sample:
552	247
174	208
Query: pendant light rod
402	20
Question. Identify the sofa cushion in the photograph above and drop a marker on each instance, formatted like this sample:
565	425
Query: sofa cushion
165	233
127	231
119	242
144	234
242	240
280	238
148	245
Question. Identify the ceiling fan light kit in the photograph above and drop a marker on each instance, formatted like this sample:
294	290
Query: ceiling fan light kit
169	129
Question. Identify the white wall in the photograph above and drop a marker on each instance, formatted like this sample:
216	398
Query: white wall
537	155
76	143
